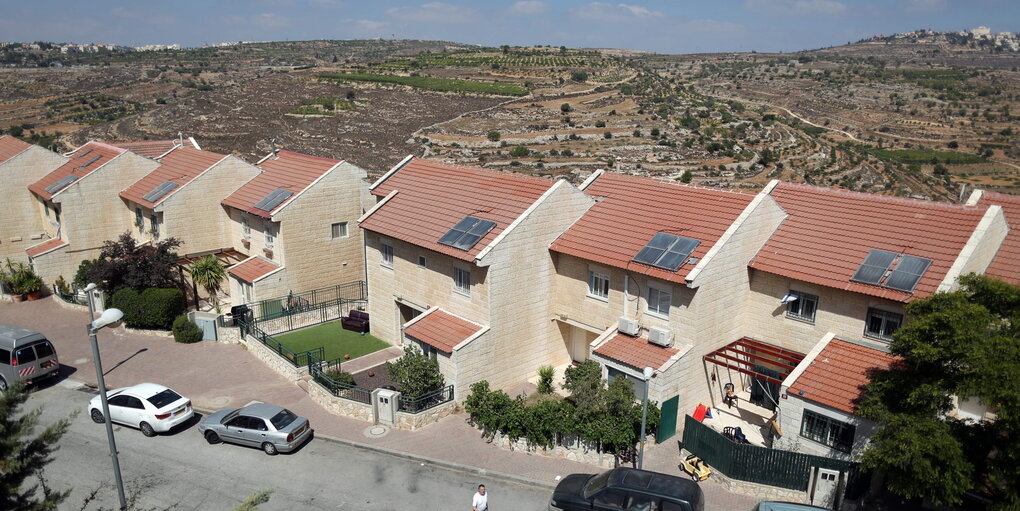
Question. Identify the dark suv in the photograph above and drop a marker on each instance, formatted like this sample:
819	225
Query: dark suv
627	489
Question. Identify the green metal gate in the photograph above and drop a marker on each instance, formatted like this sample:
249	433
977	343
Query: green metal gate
667	423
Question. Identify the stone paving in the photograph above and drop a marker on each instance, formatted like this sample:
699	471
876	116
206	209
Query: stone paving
217	375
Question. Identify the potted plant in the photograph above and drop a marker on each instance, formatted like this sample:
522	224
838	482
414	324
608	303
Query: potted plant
31	285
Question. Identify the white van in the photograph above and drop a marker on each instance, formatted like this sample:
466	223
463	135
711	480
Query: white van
25	356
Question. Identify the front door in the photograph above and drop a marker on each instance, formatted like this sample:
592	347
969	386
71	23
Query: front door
667	422
579	341
826	483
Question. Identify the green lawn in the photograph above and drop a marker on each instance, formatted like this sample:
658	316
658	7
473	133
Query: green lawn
336	341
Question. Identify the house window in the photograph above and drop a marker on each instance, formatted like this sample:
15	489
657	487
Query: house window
598	285
636	384
46	205
422	262
803	307
387	254
154	224
828	431
658	301
267	229
245	228
56	215
339	230
429	351
882	324
139	219
462	281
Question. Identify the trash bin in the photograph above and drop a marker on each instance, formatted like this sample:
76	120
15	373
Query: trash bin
241	315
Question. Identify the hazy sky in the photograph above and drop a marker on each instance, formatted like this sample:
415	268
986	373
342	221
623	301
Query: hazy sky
677	26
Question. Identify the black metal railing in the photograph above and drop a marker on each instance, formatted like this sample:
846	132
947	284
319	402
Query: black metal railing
323	298
295	358
320	369
424	402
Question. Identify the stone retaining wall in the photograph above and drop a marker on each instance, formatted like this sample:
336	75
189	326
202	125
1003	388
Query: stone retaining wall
575	452
274	360
759	491
413	421
339	406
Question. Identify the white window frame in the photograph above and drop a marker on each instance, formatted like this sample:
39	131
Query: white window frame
598	285
659	290
139	219
385	255
462	281
885	316
268	235
335	230
154	224
245	226
828	431
795	308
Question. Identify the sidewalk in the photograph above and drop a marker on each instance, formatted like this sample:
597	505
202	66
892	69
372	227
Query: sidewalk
216	375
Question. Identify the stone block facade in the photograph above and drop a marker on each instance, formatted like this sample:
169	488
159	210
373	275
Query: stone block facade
22	225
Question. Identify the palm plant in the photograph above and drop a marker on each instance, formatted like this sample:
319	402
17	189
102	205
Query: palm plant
209	273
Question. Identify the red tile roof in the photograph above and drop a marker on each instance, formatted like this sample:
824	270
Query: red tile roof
836	375
433	196
180	166
79	157
253	269
287	170
11	146
634	209
442	330
148	148
829	232
1006	265
635	352
46	246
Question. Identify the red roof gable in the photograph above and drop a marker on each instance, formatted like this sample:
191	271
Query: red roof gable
288	170
634	209
829	232
253	269
148	148
180	166
835	377
75	166
11	146
635	352
442	330
1006	265
433	196
44	247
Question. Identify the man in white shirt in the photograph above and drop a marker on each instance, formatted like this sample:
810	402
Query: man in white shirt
480	502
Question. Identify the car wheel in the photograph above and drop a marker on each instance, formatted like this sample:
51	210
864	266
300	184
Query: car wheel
212	437
147	429
3	385
97	416
269	448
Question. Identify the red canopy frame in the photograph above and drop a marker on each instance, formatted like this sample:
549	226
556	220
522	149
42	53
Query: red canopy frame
738	356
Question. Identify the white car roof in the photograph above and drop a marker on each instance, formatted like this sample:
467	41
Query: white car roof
145	390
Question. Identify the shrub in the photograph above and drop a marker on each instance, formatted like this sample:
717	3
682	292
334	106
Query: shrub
493	136
519	151
152	308
340	377
186	331
128	301
565	107
545	379
81	275
415	373
600	124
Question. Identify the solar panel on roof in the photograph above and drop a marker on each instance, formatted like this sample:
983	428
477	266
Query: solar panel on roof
61	184
84	154
275	198
907	273
159	191
874	267
90	162
467	232
666	251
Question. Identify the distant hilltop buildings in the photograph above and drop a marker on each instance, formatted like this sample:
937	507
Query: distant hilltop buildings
980	36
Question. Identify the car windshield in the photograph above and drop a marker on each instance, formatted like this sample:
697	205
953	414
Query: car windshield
283	419
164	398
596	483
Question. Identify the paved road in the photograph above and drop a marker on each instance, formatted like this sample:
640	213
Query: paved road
183	469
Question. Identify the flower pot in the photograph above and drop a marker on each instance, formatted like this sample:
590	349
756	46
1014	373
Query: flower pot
18	298
34	295
268	252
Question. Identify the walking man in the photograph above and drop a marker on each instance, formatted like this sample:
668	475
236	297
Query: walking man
480	502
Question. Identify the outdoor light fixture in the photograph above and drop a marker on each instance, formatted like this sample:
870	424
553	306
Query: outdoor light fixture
648	373
107	318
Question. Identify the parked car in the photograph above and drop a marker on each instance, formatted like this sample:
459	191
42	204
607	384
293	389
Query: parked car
627	489
272	428
149	407
786	506
26	356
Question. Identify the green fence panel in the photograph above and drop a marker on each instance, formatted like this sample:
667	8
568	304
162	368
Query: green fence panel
667	422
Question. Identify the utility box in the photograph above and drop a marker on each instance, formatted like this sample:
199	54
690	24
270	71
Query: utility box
384	406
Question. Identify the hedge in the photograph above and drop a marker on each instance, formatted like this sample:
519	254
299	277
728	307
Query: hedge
154	308
186	331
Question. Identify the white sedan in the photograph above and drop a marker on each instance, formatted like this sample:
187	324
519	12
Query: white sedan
149	407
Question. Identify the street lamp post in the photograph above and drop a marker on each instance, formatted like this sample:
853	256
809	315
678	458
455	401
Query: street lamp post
108	317
648	372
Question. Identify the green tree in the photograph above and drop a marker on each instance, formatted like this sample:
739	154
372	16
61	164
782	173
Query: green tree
965	343
493	136
686	176
565	107
519	152
209	273
23	458
579	76
125	263
415	373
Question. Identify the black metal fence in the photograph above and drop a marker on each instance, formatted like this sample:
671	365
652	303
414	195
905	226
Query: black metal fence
296	359
762	465
430	400
316	306
320	369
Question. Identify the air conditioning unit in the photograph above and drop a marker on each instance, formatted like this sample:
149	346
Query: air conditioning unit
659	336
628	326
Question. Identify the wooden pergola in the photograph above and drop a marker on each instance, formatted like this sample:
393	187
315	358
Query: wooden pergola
744	354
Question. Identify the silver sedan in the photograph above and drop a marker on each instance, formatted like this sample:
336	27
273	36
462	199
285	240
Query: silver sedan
272	428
